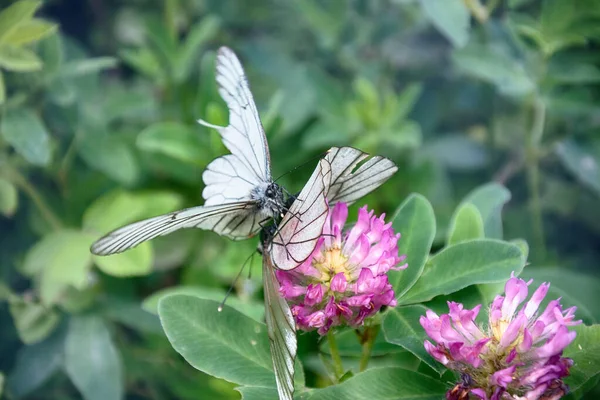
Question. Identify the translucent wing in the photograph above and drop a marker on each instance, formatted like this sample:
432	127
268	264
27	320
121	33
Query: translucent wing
301	227
282	331
348	185
235	220
248	164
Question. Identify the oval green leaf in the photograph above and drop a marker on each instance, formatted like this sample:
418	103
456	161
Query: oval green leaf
450	17
465	264
133	262
37	363
19	59
466	224
224	344
9	198
24	130
60	259
92	360
415	220
489	200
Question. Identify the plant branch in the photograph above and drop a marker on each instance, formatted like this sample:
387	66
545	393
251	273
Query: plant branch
338	367
367	341
532	146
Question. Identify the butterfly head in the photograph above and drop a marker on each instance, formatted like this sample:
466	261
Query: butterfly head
270	199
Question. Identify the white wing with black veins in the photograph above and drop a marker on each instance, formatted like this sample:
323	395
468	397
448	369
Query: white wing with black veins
232	177
349	183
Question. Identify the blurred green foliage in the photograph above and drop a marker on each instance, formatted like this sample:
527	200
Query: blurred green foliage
97	129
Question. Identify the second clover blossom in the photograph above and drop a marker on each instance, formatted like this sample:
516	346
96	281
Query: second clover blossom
518	356
344	280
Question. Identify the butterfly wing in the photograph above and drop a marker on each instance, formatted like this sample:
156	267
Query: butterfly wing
348	184
301	227
232	177
282	331
236	220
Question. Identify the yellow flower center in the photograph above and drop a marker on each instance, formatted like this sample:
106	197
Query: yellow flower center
330	263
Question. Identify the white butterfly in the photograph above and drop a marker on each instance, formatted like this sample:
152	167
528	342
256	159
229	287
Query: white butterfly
241	198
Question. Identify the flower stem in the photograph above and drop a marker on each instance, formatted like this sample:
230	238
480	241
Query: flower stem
338	368
533	173
367	340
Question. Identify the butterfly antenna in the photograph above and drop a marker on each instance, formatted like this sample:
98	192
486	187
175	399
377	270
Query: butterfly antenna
301	165
237	277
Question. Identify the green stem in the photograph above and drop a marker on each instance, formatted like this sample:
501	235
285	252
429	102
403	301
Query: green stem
170	17
534	138
21	182
367	341
338	368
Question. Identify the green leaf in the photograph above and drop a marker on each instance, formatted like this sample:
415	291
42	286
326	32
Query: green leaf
581	162
1	383
33	321
584	351
18	59
175	140
18	13
489	200
250	308
383	383
450	17
465	264
134	262
92	360
51	51
60	259
36	363
110	155
496	66
88	66
401	327
24	130
415	220
9	198
29	32
224	344
113	210
466	224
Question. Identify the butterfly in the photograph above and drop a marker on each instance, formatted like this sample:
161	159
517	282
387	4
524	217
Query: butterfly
241	198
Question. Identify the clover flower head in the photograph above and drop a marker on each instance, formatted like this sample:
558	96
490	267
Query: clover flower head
344	280
518	356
